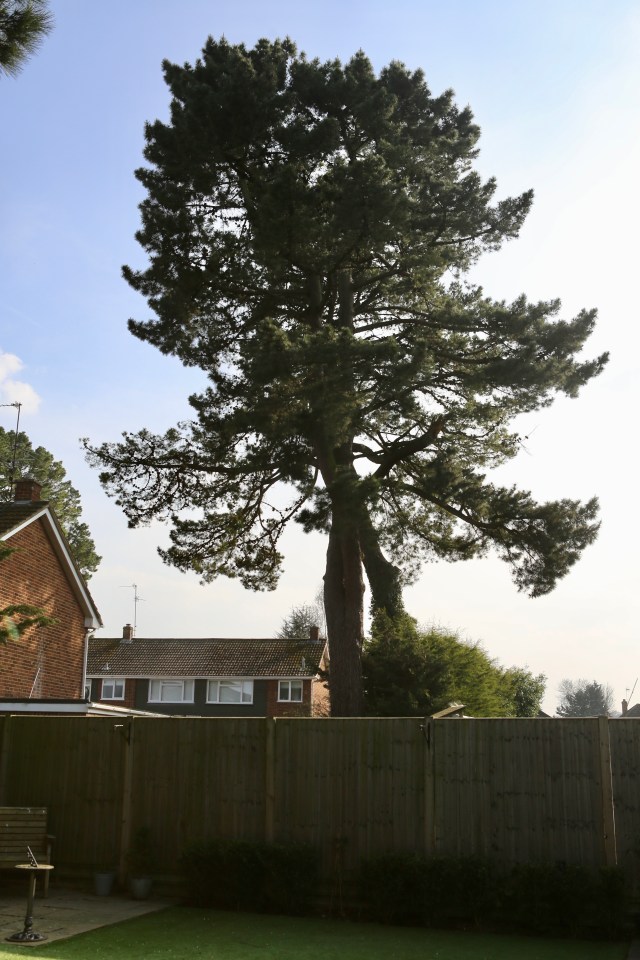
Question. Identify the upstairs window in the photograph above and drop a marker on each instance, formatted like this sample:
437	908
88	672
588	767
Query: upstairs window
290	691
113	689
171	691
230	691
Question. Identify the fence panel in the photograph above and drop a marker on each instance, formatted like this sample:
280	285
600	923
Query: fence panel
625	764
73	766
518	790
194	778
354	788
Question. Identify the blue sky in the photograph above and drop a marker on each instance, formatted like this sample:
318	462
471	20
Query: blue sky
555	88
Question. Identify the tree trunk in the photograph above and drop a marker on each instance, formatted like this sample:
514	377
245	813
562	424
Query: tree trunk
383	576
343	582
343	600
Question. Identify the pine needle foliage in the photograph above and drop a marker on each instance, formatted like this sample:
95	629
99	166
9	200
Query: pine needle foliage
23	26
38	464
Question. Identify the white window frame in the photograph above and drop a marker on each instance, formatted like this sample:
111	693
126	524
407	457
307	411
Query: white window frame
112	681
215	687
286	688
187	688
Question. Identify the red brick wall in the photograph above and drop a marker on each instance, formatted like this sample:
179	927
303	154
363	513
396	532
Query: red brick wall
320	700
129	700
276	709
32	574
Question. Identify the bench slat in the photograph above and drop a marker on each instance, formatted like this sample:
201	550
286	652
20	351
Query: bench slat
22	827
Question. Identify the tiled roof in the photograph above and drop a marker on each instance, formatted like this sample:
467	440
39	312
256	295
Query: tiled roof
143	657
14	514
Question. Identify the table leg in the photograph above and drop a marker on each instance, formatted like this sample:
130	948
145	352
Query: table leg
28	934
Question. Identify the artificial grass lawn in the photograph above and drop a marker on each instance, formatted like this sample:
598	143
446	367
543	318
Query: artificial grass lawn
184	932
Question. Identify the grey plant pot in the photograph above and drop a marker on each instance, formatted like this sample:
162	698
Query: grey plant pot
140	887
103	882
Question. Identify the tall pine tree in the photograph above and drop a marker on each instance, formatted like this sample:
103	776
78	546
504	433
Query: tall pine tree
308	227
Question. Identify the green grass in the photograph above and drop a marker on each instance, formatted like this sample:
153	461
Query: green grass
183	932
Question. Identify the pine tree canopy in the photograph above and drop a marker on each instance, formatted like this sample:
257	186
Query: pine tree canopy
38	464
308	227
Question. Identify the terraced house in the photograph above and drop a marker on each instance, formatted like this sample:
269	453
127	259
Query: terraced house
216	677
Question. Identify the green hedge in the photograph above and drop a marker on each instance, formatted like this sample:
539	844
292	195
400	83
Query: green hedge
247	875
547	899
544	899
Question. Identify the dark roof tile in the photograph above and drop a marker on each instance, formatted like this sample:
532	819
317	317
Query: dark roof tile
206	657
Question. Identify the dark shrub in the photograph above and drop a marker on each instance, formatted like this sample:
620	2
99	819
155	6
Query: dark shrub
393	888
406	888
248	875
545	899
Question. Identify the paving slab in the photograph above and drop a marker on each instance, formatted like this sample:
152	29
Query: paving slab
65	913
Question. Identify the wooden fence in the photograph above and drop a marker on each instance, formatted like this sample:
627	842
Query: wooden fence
515	790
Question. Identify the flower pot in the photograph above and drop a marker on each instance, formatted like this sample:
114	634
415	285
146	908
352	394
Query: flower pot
140	887
103	882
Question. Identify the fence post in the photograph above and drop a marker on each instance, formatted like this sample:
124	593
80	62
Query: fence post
606	786
4	758
127	780
270	780
428	730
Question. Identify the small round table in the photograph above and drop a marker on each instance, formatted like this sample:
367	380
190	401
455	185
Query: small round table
29	935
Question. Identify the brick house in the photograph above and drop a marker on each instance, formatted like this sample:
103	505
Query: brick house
211	677
47	663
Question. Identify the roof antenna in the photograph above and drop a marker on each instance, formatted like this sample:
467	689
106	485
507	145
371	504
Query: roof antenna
15	440
136	601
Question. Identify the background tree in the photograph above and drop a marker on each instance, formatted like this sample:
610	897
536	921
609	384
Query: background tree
525	691
300	619
23	26
38	464
308	227
583	698
17	618
412	672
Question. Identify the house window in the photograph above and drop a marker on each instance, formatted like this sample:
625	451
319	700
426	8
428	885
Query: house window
113	689
290	691
230	691
171	691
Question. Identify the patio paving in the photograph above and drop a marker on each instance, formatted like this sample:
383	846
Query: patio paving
67	912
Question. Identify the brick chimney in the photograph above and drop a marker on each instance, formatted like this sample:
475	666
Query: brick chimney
314	634
625	707
27	490
127	633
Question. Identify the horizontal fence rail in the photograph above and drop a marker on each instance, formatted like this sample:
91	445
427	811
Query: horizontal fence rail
515	790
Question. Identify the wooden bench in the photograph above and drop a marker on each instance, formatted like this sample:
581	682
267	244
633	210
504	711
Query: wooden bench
22	827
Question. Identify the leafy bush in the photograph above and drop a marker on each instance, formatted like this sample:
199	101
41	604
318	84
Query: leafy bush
406	888
393	888
545	899
248	875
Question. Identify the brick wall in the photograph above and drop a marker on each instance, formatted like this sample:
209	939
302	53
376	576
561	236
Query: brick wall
129	700
277	709
45	662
